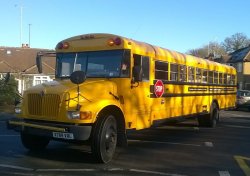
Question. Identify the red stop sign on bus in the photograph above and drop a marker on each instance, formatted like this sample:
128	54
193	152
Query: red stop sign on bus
159	88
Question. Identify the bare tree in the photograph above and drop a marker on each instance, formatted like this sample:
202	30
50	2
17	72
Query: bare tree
213	49
216	49
198	52
235	42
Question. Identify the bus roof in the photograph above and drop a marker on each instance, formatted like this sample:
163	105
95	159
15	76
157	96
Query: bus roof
104	41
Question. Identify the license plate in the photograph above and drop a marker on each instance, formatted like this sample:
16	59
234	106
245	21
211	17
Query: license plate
63	135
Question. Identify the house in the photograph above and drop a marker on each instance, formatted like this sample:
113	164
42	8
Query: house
21	63
240	59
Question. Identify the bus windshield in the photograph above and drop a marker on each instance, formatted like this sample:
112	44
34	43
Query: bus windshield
95	64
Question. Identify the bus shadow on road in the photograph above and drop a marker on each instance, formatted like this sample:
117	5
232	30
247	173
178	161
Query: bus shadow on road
140	142
63	152
182	133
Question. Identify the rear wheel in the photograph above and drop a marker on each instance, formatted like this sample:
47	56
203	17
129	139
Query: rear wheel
104	138
210	120
33	142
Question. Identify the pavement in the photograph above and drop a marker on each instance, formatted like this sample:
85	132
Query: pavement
4	116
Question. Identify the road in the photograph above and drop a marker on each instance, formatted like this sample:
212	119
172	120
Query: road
180	150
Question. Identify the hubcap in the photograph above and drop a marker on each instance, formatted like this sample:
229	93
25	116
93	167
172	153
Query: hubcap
110	139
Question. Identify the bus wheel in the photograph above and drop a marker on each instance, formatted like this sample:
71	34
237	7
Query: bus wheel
104	139
33	142
210	120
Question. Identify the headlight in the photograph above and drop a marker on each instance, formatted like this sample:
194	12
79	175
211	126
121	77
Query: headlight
74	114
18	110
82	115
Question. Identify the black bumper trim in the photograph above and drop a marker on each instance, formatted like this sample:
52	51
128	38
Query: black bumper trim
80	132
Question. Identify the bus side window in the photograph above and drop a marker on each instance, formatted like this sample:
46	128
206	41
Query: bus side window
220	78
204	76
191	74
225	79
229	80
183	73
161	70
216	77
142	61
173	72
198	75
210	77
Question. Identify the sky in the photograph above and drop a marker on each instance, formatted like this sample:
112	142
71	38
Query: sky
178	25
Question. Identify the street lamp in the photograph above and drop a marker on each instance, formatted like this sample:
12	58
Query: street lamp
29	34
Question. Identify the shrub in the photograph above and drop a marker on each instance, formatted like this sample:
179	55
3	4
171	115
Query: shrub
8	91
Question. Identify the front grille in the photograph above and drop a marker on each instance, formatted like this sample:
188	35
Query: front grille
43	105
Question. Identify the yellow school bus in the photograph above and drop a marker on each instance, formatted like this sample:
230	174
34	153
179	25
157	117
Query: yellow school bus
107	84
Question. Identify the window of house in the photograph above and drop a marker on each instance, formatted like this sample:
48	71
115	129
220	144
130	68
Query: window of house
161	70
190	74
173	72
3	75
183	73
8	52
240	85
40	79
247	86
28	82
239	67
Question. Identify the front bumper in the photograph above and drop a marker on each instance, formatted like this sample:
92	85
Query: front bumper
49	129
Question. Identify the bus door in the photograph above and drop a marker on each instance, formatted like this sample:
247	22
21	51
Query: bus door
140	93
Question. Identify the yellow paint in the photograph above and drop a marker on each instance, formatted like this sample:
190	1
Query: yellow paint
137	105
241	160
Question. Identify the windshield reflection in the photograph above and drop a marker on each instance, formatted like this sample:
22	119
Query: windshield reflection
96	64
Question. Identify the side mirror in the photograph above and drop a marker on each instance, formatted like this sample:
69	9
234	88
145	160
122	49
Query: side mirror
137	74
39	63
7	78
77	77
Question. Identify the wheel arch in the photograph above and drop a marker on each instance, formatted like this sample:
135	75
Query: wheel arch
120	119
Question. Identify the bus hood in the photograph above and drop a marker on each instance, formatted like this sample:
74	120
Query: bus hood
89	90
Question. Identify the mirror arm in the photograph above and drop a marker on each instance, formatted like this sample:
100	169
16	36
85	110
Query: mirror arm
78	106
132	86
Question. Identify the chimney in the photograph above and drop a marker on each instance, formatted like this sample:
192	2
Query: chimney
25	45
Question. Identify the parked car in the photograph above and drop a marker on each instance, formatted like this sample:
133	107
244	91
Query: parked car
243	99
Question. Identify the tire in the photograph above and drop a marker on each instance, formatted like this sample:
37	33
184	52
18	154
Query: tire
33	142
210	120
104	139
